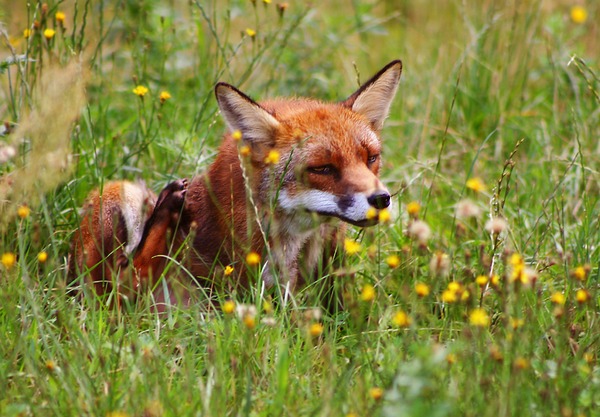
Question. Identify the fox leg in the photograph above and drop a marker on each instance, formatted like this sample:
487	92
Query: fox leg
150	259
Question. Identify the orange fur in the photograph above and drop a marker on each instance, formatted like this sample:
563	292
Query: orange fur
286	210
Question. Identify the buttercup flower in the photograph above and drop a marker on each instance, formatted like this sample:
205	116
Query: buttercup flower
23	211
481	280
228	270
351	247
253	259
245	150
479	318
60	17
579	273
376	393
401	319
228	307
49	33
8	260
476	184
384	216
164	96
582	296
272	158
579	14
315	329
140	91
413	208
371	213
236	135
558	298
393	261
368	293
421	289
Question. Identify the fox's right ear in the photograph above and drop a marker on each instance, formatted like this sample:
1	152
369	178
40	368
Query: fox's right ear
244	114
374	98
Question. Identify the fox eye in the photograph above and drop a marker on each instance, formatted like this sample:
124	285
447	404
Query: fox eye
322	169
372	159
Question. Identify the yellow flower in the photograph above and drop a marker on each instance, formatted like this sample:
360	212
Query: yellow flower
228	307
249	321
245	150
253	259
117	414
27	33
228	270
476	184
384	216
558	298
368	293
413	208
49	33
401	319
495	280
51	365
236	135
164	96
521	363
449	297
60	17
23	211
582	296
251	32
479	318
516	259
393	261
454	286
451	358
376	393
515	323
8	260
42	257
579	273
579	14
267	307
421	289
272	158
481	280
315	329
140	91
351	247
371	213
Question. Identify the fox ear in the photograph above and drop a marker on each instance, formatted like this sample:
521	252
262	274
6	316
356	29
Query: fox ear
373	98
244	114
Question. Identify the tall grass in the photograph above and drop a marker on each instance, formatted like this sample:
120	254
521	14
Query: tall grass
478	297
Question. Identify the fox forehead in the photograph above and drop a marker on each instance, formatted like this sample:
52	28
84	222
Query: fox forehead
322	129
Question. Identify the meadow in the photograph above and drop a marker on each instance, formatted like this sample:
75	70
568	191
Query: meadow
476	295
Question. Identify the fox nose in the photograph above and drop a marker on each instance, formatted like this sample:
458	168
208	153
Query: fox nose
379	200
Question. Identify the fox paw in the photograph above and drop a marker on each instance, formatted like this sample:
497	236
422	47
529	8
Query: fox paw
172	197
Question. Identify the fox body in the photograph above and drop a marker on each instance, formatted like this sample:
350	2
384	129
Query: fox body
285	175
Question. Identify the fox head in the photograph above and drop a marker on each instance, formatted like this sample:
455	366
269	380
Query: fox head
329	153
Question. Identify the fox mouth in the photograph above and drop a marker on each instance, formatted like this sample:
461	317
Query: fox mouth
358	223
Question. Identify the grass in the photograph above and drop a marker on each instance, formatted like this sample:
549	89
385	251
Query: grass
506	93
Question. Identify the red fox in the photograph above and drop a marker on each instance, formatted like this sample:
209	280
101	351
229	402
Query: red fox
287	172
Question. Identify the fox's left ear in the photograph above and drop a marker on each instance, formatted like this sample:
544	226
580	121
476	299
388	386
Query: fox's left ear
373	98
